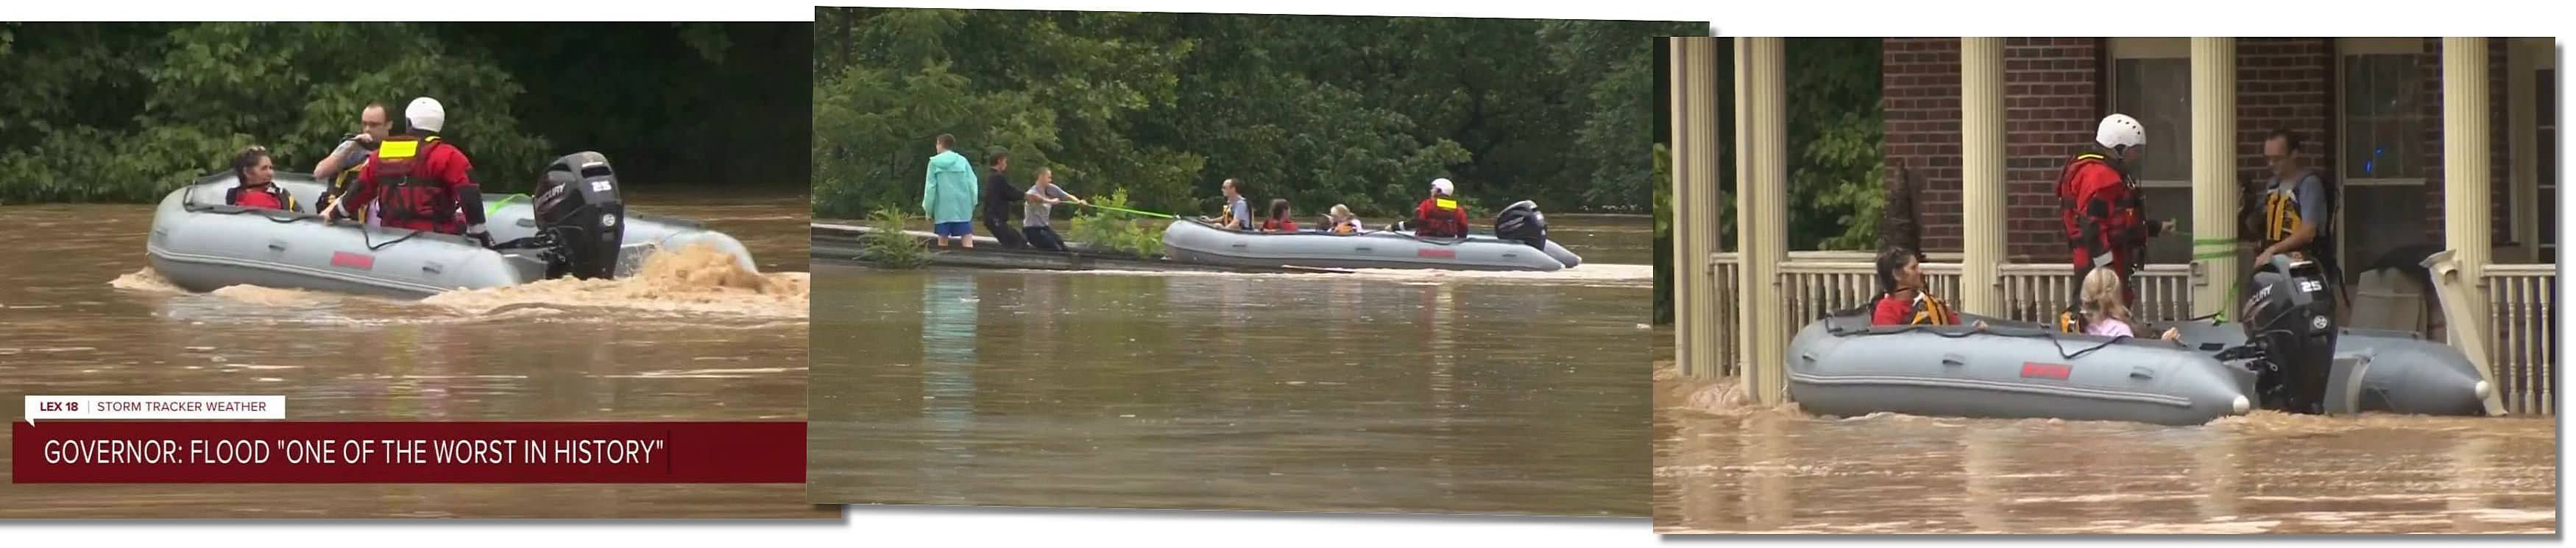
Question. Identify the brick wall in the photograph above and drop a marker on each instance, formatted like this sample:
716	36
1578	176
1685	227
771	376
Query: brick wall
2052	97
1920	92
2499	148
2055	92
2284	83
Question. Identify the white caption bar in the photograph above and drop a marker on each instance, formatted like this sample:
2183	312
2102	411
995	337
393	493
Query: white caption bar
155	407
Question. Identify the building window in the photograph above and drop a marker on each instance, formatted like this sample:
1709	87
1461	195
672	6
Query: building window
2548	158
2151	81
2381	142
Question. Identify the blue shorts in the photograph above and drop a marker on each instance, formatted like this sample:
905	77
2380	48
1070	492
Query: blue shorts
962	229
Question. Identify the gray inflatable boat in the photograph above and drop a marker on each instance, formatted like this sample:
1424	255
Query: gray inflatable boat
2398	371
1190	240
1842	366
200	244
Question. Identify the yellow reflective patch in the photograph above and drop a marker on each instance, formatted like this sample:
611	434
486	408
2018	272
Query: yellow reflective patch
1445	203
398	149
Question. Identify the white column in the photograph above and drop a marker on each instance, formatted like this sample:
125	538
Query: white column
1771	178
2214	188
1695	178
2464	156
1981	192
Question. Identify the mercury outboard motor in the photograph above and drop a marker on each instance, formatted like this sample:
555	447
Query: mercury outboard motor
2290	319
1522	222
579	214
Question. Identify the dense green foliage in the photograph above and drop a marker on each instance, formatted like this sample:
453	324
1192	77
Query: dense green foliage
888	246
126	111
1836	124
1321	110
1106	230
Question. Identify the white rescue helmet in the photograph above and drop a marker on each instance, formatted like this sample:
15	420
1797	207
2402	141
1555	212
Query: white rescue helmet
425	114
1442	187
2119	131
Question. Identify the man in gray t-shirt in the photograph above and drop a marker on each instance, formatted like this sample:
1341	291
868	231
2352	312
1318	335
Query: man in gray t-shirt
1037	211
2296	209
1238	213
355	151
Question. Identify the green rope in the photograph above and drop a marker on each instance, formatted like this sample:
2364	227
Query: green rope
1145	213
505	200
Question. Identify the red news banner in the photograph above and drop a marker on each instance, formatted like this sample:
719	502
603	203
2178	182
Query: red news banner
407	452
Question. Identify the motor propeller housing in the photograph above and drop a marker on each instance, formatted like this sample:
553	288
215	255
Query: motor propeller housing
2290	319
578	210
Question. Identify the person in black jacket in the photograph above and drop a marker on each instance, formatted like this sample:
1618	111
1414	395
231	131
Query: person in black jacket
998	195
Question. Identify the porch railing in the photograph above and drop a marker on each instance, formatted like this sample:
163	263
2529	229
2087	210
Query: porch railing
2522	306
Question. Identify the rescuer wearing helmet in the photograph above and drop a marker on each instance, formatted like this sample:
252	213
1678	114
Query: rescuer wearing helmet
2099	204
1440	216
418	181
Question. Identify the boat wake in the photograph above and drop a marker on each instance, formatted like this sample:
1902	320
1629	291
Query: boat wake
145	280
697	280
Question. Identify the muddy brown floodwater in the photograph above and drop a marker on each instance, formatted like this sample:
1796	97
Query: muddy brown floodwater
1725	467
1376	391
693	338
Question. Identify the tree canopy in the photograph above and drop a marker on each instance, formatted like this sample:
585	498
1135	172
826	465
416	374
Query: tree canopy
127	111
1321	110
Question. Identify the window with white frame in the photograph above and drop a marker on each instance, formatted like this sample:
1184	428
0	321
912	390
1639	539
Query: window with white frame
2151	81
2381	139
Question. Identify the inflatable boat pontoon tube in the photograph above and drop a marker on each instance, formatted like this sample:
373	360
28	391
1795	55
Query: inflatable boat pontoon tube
2402	372
1842	366
201	245
1189	240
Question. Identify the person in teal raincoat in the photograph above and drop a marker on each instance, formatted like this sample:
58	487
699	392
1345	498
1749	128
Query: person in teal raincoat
948	194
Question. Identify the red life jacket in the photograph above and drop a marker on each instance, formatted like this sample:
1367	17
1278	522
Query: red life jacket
264	196
406	191
2102	219
1282	225
1440	217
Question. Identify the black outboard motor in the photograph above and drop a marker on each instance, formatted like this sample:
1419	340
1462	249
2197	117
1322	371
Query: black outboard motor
2290	319
1522	222
579	214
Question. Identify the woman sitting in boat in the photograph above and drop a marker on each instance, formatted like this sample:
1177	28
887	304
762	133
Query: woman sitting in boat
1342	221
2105	312
1902	300
253	170
1279	221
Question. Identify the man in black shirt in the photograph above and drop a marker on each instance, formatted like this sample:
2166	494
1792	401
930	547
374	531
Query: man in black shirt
998	195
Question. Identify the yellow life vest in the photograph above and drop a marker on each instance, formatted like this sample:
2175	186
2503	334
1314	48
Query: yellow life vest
1929	310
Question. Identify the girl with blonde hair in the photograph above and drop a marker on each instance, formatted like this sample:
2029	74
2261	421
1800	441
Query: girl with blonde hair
2106	312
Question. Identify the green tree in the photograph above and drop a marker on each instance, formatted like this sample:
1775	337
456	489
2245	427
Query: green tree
1321	110
125	112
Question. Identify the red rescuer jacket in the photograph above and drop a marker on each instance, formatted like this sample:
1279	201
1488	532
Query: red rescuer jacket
1440	217
415	185
2101	215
